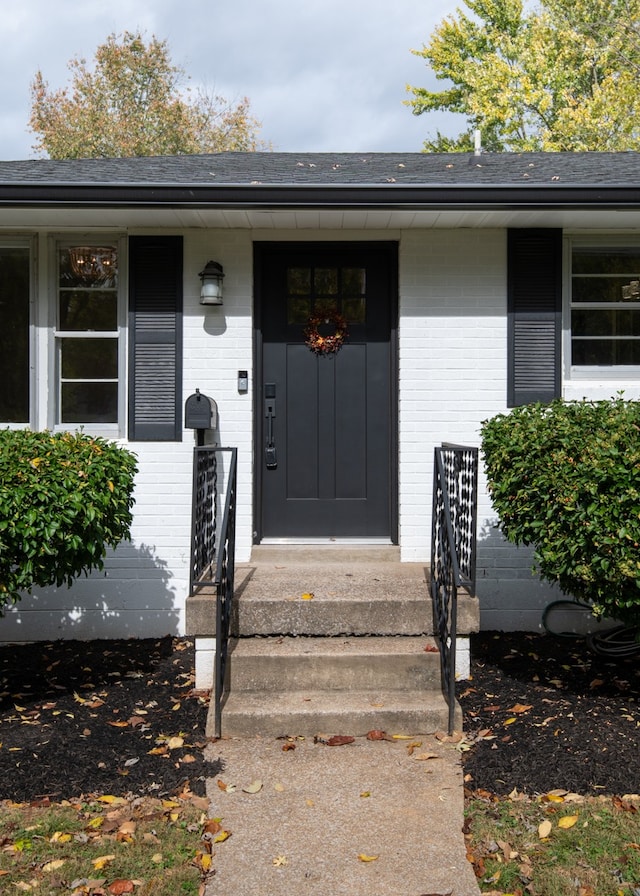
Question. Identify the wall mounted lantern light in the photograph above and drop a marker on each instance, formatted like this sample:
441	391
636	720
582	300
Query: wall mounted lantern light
211	290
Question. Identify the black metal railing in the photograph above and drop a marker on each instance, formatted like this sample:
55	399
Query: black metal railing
213	534
453	550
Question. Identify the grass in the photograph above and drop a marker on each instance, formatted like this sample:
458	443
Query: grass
107	846
560	844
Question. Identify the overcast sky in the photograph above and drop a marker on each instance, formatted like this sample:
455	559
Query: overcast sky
322	75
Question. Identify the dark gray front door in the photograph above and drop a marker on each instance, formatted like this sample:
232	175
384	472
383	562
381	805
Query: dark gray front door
326	422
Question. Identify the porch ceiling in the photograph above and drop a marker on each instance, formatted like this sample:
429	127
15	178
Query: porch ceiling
381	219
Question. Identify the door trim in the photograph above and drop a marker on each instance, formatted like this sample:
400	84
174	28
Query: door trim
260	250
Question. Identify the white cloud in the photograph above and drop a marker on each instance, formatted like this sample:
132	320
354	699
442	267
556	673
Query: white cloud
321	75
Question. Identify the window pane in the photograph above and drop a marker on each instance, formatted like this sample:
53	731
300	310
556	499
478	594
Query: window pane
353	281
605	352
14	335
325	281
84	359
585	322
596	260
89	403
88	310
88	266
298	309
299	281
605	289
354	310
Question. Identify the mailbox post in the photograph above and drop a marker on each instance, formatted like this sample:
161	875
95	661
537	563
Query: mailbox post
201	414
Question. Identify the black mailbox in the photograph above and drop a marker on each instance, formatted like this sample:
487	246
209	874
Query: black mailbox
200	412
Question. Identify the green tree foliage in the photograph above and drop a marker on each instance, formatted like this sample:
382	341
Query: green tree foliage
130	104
64	498
562	75
565	478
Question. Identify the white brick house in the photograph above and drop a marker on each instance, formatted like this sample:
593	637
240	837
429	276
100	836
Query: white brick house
496	281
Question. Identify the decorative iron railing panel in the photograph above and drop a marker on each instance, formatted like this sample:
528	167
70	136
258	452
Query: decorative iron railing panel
453	549
213	538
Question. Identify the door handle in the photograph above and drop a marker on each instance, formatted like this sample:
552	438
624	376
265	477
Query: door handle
270	454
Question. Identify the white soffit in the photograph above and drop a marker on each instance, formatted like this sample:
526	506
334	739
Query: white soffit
315	219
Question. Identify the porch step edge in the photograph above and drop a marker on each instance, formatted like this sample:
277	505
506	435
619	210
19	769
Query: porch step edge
311	713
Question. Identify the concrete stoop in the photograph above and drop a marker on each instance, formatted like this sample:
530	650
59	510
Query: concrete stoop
329	640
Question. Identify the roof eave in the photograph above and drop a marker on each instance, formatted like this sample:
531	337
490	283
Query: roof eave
319	196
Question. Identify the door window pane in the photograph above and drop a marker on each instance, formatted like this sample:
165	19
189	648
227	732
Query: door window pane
14	335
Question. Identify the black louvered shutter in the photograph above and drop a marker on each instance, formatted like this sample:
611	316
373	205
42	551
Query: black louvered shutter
534	307
155	338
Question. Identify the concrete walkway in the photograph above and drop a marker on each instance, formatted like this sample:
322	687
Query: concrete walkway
315	813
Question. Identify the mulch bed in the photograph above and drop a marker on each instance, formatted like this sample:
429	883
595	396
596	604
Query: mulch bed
100	717
122	717
544	713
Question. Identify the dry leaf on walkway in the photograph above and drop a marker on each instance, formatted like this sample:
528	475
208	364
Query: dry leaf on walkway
376	734
254	787
339	740
366	858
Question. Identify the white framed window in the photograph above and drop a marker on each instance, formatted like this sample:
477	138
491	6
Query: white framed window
90	335
602	325
16	337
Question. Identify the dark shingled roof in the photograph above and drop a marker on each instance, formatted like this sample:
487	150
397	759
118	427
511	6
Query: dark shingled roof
329	180
333	169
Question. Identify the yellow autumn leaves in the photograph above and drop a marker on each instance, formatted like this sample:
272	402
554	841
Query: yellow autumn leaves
545	827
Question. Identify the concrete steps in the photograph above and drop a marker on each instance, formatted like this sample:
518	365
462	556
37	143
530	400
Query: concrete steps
310	713
341	664
330	639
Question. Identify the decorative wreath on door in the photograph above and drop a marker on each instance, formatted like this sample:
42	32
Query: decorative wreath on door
326	345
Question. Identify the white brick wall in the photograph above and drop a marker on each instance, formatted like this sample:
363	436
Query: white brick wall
452	360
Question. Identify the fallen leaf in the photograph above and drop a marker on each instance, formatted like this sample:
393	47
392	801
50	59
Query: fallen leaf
102	861
431	648
54	865
60	837
203	860
174	743
510	721
227	788
339	740
624	805
365	858
254	787
288	746
221	836
567	821
413	746
120	886
376	734
544	829
308	595
519	707
280	860
422	757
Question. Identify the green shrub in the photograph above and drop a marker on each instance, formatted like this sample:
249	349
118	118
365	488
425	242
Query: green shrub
565	478
64	498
